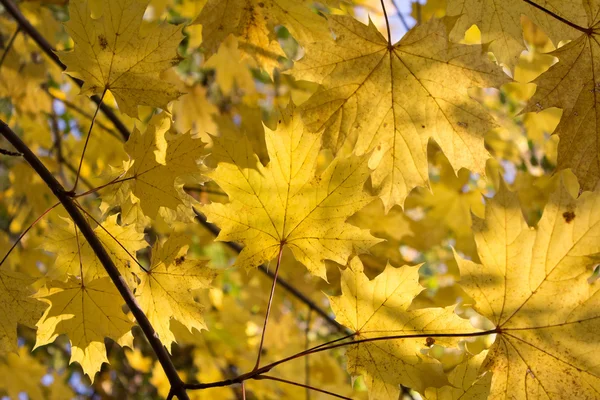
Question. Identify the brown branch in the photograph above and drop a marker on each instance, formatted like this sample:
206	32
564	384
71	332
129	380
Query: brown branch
33	33
282	282
108	264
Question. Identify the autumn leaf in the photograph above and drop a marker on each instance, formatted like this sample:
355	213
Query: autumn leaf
390	100
253	22
114	53
87	313
533	286
380	308
75	257
157	158
16	307
284	203
167	288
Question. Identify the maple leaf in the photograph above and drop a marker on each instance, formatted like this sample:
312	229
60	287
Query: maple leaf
166	290
380	308
284	203
75	257
500	23
87	313
390	100
158	157
112	53
253	22
16	307
573	84
533	286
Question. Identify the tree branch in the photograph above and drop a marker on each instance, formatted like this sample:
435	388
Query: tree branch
108	264
282	282
29	29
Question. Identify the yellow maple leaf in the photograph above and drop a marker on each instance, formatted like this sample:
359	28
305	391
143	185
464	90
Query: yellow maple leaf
253	22
158	157
500	23
116	52
533	285
390	100
284	203
75	257
87	313
380	308
16	307
166	290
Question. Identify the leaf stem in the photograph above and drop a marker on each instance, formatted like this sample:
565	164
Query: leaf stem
96	189
87	139
329	346
587	31
387	24
264	330
272	378
119	281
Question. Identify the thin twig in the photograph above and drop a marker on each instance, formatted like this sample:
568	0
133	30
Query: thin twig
401	16
9	45
25	232
10	153
266	322
119	281
33	33
272	378
282	282
587	31
306	359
